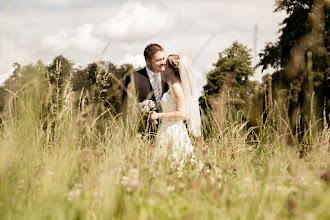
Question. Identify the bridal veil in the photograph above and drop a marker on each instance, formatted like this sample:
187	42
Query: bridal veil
188	75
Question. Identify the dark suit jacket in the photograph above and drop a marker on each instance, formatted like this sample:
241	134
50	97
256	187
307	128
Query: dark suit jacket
143	88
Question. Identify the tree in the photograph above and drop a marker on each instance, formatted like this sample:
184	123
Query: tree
230	78
25	83
59	70
301	57
106	83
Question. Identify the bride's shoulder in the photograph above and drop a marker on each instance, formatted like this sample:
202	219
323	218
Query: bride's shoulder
177	85
178	88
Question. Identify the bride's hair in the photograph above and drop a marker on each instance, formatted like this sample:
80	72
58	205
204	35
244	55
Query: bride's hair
173	62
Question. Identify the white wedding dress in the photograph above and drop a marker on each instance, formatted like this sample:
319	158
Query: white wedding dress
172	139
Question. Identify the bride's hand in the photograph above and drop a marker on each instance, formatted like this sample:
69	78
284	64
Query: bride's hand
153	115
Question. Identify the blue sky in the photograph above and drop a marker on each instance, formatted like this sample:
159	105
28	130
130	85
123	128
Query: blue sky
81	29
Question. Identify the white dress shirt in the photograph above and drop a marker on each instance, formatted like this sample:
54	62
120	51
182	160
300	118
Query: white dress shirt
151	74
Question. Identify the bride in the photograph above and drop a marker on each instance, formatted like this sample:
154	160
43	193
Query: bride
178	104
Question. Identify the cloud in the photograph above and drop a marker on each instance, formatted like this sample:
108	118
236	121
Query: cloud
55	2
136	22
137	60
80	38
81	31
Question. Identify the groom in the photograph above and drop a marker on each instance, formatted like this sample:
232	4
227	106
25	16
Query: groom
147	82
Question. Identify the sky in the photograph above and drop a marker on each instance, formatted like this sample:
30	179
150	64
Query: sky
80	30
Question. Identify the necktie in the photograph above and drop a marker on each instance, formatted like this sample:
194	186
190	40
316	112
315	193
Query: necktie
157	91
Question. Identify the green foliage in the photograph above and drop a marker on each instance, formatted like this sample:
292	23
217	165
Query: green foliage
230	75
301	58
59	70
62	91
106	81
27	83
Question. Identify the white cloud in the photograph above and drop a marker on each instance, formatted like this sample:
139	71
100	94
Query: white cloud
81	39
136	22
55	2
80	32
137	60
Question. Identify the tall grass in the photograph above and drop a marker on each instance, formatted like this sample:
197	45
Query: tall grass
61	165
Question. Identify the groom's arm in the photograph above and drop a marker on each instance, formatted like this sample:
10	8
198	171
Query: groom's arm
124	98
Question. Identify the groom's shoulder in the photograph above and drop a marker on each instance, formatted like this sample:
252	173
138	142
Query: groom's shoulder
141	71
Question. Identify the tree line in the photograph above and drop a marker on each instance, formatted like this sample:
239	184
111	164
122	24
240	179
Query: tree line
297	93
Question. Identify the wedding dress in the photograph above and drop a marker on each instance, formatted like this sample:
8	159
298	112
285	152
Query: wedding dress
172	139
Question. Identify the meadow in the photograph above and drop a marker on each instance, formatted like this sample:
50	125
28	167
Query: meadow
64	163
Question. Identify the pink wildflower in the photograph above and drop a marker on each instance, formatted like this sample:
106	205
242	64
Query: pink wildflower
324	176
87	157
133	184
75	138
205	149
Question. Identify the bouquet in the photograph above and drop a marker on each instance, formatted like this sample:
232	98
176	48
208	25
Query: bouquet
148	106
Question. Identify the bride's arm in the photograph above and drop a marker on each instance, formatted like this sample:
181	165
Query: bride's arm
180	111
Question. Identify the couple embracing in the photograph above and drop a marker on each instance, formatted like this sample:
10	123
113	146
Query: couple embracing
171	84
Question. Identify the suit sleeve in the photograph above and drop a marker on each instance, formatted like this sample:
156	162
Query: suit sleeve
124	98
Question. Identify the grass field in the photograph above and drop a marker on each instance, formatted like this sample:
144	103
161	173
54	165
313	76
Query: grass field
65	166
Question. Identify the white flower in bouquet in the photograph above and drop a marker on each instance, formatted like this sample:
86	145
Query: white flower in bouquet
148	106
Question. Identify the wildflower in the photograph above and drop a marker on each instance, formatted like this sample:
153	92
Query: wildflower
205	149
133	184
134	173
324	176
230	172
219	177
181	185
74	194
199	166
21	184
75	138
325	141
87	158
170	189
124	181
198	185
78	185
179	173
139	136
123	157
206	172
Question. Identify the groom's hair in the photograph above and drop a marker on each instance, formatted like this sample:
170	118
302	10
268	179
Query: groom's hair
151	49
